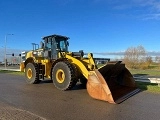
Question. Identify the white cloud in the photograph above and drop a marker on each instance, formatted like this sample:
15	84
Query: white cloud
153	5
144	9
151	16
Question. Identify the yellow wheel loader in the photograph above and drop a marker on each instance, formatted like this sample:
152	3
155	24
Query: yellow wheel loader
51	59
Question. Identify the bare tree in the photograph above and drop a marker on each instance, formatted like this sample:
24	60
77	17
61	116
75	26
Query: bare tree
149	59
135	56
148	62
157	59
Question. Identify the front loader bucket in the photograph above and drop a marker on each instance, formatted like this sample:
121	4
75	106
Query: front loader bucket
112	82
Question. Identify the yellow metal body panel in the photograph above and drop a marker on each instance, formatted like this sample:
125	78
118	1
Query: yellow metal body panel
36	57
84	65
22	67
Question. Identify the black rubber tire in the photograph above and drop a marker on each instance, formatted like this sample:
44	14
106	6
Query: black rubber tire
83	80
31	74
69	73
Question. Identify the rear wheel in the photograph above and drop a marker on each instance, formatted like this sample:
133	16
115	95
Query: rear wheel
64	75
31	74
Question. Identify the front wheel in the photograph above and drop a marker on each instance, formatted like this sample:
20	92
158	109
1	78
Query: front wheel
83	80
64	75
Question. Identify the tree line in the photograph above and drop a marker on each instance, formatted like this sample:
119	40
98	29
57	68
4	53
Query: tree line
137	58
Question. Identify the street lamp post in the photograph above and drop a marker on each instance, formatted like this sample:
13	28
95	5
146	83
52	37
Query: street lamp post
5	47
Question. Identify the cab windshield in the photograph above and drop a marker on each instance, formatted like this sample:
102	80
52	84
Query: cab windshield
57	43
63	45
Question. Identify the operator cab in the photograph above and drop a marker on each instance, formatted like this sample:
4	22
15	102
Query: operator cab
54	44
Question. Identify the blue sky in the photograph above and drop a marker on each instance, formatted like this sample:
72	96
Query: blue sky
97	26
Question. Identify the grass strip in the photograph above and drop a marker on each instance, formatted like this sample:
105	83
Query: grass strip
149	87
12	72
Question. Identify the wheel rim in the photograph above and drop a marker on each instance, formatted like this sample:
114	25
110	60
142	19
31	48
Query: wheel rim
60	76
29	73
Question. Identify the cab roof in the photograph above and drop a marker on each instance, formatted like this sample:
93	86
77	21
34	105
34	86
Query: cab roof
55	36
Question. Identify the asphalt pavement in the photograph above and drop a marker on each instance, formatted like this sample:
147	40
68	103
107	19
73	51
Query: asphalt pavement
21	101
